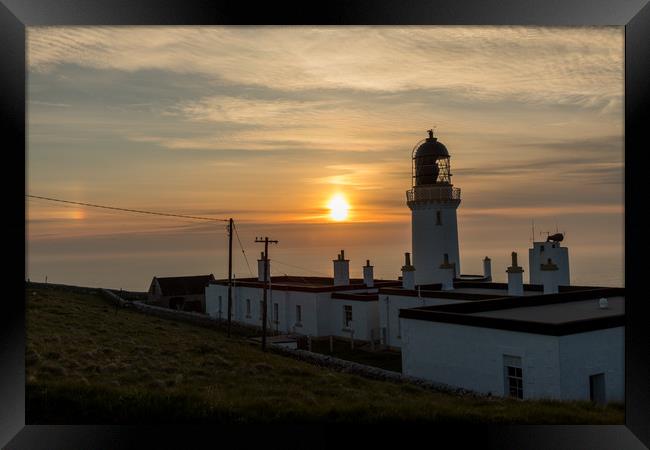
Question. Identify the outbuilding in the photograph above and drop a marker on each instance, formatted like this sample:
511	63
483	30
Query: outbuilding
185	293
564	346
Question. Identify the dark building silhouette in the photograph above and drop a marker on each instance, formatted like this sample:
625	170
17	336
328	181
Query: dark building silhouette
181	293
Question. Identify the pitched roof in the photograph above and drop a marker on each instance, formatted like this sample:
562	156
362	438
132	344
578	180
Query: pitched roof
190	285
306	284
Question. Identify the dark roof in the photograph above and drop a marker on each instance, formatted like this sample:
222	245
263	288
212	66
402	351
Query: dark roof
358	297
437	293
306	284
431	147
474	290
552	314
560	312
190	285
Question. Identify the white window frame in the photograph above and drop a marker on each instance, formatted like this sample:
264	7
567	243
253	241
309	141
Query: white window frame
347	324
513	374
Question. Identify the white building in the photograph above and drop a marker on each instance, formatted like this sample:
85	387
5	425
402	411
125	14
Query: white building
395	298
312	306
565	346
542	252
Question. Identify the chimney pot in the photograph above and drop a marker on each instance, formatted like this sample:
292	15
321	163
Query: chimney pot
341	270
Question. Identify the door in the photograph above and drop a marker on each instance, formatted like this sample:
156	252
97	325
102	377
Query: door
597	388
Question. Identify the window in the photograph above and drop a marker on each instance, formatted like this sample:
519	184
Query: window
276	315
514	376
438	218
261	308
248	307
298	314
220	307
347	316
541	248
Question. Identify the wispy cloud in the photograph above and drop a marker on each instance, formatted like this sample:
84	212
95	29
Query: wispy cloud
580	66
265	124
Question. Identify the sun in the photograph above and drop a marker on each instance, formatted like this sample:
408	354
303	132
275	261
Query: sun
339	208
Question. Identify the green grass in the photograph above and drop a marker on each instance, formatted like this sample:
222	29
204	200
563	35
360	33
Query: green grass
85	363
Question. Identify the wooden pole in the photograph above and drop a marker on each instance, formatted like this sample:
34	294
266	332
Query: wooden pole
264	304
229	274
266	281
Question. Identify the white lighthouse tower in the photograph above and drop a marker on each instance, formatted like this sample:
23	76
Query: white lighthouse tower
433	202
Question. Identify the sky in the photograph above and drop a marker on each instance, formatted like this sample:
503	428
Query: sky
267	124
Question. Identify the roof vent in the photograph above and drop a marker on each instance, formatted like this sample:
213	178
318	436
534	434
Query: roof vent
603	303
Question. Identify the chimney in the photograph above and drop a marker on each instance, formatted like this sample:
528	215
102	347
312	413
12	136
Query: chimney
487	269
260	269
550	280
515	278
368	277
408	273
341	270
448	271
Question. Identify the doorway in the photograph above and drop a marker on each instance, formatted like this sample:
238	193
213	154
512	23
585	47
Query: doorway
597	388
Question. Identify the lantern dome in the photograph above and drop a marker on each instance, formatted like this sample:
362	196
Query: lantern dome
431	162
431	147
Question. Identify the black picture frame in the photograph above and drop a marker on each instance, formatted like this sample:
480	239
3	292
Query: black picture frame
15	15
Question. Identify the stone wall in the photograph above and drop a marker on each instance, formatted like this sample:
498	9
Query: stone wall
184	316
368	371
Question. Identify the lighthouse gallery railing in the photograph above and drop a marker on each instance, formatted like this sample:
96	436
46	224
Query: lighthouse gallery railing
433	193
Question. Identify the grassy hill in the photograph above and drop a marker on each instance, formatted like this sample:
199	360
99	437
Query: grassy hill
87	363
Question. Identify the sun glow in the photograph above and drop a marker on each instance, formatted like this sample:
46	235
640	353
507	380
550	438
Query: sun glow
339	208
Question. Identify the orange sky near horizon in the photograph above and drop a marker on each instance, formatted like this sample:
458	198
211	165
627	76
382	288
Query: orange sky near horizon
268	124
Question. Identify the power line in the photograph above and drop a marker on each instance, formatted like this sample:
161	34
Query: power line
242	250
128	210
299	267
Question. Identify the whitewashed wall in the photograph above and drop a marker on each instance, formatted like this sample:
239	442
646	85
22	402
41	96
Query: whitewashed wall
388	309
559	255
431	241
585	354
472	357
365	318
321	315
553	367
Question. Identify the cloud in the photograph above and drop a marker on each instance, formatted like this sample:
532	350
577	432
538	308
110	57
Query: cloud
579	66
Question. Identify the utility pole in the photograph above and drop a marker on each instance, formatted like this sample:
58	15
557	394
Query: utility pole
229	274
266	241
